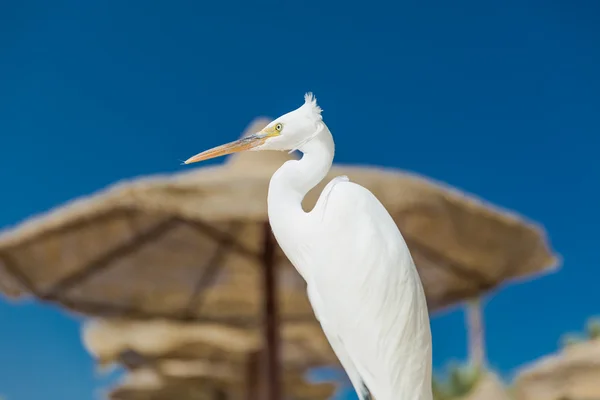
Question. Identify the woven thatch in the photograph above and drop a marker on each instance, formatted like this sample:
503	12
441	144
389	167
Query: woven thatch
168	359
195	380
135	343
489	387
574	374
187	246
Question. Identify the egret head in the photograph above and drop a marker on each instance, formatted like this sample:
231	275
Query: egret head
287	133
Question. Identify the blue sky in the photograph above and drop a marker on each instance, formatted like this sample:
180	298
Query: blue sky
500	99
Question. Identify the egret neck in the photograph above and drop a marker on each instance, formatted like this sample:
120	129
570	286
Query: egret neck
295	178
292	181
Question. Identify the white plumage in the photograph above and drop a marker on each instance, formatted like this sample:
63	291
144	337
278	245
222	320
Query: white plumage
361	279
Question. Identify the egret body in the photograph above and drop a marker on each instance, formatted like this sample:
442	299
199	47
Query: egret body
361	280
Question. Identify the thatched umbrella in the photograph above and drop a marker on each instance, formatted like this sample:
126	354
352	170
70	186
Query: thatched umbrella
159	386
188	346
186	353
195	245
489	387
470	384
192	380
108	339
474	321
573	374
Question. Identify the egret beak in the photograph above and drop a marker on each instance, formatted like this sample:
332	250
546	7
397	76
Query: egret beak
245	143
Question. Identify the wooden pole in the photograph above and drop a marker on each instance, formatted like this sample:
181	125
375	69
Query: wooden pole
220	394
252	376
476	333
271	317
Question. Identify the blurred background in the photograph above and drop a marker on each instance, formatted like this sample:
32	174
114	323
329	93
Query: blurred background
486	112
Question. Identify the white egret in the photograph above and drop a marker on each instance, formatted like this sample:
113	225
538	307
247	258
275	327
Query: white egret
361	280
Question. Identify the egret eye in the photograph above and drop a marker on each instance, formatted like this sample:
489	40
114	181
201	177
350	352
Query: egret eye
278	127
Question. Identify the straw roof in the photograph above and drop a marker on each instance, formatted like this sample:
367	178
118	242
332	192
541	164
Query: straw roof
197	380
574	373
489	387
169	359
135	343
188	246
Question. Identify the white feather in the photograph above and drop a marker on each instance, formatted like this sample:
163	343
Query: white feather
310	101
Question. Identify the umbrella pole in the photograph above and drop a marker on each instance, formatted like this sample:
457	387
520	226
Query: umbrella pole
476	332
271	318
253	376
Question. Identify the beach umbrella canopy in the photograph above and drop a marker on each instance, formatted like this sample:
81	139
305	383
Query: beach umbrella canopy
573	373
133	343
489	387
190	360
189	246
188	380
208	351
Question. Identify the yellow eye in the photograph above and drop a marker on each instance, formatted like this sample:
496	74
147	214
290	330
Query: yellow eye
278	127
